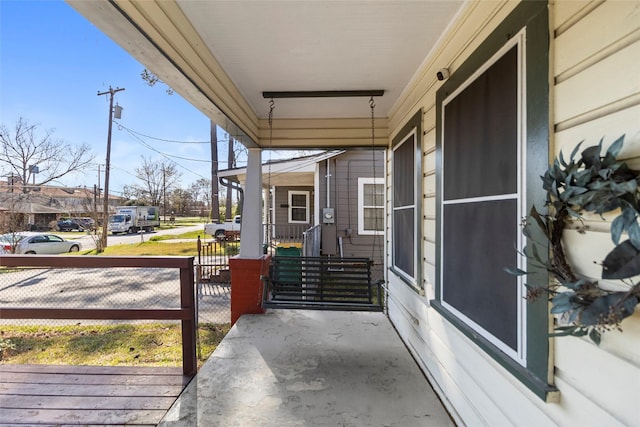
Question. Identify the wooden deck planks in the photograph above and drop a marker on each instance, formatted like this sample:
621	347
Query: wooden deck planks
87	395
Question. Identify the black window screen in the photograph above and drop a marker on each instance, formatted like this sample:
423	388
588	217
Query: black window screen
480	150
403	175
480	200
404	209
478	243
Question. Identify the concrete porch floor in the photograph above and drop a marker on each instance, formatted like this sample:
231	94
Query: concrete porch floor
309	368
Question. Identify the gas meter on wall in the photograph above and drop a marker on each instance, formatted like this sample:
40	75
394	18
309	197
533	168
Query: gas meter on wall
328	215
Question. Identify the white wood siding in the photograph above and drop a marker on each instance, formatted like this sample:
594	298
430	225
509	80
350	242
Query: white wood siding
595	63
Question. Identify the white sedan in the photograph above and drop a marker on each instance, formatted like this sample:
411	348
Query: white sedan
44	243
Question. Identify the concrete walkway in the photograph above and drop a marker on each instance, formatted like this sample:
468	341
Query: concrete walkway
309	368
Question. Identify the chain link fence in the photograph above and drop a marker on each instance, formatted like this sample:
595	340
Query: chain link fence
112	288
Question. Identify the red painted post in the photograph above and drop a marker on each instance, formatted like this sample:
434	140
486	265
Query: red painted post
246	285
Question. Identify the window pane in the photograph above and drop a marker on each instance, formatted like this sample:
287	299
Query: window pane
373	194
299	200
474	279
404	240
373	218
298	214
403	174
481	128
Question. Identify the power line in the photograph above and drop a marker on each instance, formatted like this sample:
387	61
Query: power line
168	156
166	140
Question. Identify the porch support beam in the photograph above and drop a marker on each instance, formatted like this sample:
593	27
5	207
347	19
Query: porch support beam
322	93
251	231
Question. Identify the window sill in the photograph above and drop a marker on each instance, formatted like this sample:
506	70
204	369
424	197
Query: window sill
547	392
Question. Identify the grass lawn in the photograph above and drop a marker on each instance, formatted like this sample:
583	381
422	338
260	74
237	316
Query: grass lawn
188	235
149	344
150	248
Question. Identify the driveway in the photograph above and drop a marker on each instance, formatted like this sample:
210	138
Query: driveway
88	241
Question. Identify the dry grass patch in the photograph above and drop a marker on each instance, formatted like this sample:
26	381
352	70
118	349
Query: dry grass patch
150	249
149	344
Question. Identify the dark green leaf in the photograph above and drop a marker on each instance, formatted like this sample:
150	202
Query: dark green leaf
576	284
573	316
605	173
574	330
622	262
594	335
583	177
536	255
615	148
573	213
603	306
634	234
572	191
629	306
562	303
575	151
591	156
624	187
602	202
565	332
538	218
599	185
622	222
515	271
562	161
599	309
617	226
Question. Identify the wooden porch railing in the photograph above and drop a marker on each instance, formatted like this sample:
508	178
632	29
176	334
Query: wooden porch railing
186	313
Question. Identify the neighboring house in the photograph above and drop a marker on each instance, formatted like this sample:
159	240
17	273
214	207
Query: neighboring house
42	206
500	89
27	212
77	201
289	184
350	216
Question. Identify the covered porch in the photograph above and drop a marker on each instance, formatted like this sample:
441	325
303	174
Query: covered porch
311	368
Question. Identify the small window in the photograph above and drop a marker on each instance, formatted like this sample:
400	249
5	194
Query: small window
405	208
370	205
299	207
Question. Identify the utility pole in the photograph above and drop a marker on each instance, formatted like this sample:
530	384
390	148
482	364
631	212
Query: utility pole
215	202
164	193
105	213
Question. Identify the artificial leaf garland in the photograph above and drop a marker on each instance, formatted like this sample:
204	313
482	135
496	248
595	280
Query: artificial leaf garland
587	183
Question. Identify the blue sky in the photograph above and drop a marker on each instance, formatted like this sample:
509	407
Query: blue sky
53	62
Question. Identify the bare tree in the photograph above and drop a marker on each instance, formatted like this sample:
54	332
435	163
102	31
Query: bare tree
36	156
152	80
182	201
158	179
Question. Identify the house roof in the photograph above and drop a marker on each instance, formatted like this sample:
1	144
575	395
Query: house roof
56	192
298	171
222	55
29	203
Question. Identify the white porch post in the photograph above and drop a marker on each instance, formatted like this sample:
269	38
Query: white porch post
251	231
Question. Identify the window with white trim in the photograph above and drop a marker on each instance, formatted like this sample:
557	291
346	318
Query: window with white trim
482	200
298	207
370	206
492	137
406	177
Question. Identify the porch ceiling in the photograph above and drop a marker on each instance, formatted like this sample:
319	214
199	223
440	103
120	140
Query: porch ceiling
221	55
